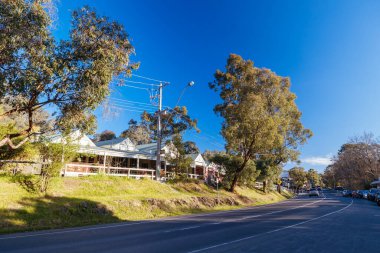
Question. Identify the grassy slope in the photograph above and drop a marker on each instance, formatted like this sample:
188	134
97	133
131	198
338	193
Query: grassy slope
84	201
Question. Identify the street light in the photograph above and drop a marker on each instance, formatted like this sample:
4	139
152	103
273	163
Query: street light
159	129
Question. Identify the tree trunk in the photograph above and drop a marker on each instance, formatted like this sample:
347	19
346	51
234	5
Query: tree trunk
265	184
237	174
234	182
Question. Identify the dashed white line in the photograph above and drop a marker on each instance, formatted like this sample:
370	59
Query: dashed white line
132	224
270	232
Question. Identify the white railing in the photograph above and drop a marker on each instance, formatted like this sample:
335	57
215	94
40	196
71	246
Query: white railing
196	176
86	170
170	175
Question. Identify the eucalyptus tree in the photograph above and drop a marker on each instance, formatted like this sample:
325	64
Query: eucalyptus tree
191	147
259	111
70	76
298	177
173	121
107	135
313	177
137	133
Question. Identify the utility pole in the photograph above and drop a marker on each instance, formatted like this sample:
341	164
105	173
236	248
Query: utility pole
159	130
159	136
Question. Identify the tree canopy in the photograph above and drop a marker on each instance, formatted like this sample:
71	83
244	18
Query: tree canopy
174	121
72	76
107	135
137	133
191	147
259	111
357	163
298	177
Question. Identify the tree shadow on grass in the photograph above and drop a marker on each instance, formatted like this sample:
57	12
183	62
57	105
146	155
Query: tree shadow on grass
37	213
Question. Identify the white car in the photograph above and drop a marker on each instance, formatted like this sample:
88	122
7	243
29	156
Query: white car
313	192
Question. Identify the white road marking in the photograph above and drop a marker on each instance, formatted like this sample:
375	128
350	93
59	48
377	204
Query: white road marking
270	232
244	218
181	229
134	223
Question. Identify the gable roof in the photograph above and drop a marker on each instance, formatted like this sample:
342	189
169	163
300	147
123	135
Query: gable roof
76	138
109	142
193	156
148	148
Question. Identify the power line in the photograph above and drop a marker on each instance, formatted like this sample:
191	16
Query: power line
150	110
130	81
139	105
204	138
135	102
136	87
148	78
129	108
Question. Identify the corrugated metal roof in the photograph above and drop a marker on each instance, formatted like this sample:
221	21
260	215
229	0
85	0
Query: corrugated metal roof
110	142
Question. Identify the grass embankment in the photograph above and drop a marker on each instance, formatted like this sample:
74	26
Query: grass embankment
92	200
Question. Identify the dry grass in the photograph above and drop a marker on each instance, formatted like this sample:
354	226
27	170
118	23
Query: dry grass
92	200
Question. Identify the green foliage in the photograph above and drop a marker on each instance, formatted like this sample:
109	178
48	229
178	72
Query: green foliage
191	147
174	121
177	157
71	75
139	134
298	177
230	164
269	171
259	112
313	177
107	135
357	163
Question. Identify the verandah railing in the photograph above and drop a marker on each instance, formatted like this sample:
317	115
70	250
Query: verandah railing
85	170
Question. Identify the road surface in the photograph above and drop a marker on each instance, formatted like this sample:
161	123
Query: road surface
325	224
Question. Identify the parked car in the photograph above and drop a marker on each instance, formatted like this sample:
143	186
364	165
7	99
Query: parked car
363	194
347	193
377	197
355	194
371	194
313	192
339	188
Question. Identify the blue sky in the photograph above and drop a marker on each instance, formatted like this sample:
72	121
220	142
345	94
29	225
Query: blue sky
329	49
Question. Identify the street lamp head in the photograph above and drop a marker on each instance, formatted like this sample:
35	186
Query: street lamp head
191	83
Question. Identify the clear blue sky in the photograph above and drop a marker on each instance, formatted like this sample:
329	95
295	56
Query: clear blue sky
329	49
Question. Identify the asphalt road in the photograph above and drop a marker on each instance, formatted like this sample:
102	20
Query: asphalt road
326	224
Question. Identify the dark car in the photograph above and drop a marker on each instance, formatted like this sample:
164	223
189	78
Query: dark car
371	194
377	198
363	194
347	193
355	194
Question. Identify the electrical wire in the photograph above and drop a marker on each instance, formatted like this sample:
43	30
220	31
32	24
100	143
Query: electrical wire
135	107
131	81
148	78
136	87
130	101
